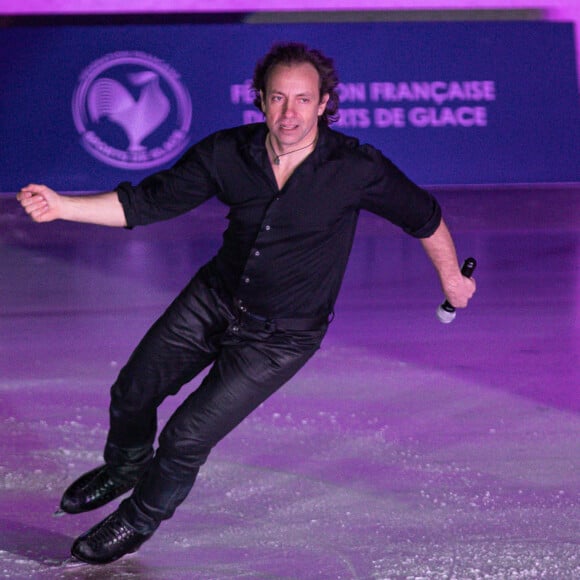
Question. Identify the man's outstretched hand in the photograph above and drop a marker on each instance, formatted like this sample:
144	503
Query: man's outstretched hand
40	202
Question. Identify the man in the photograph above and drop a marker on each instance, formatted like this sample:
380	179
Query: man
258	310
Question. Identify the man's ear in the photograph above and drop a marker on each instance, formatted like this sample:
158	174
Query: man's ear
262	106
323	103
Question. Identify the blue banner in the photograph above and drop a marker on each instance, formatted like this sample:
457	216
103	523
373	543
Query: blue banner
84	107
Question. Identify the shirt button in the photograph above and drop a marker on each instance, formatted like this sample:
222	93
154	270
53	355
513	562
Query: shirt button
246	280
257	253
267	228
235	328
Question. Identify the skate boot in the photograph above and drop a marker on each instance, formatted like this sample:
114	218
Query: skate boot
108	541
91	491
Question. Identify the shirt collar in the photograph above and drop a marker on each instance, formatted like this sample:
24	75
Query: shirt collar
256	144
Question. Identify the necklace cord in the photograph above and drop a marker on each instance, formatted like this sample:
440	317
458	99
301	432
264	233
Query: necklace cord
276	159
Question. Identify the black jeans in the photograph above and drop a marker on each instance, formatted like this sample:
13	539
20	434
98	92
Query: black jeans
251	359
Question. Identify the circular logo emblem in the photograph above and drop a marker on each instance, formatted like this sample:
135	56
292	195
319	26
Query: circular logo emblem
132	111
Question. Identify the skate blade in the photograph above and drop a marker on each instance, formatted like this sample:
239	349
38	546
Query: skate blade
59	513
73	562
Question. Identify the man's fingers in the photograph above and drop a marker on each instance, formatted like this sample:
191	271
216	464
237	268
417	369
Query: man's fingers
35	206
33	202
28	198
31	190
473	286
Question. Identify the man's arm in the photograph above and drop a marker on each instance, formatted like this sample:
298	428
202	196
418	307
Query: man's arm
441	250
43	204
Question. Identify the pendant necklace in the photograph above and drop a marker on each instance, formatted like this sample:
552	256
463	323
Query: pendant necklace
276	160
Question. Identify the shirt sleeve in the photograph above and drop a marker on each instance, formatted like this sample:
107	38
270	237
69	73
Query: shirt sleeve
389	193
171	192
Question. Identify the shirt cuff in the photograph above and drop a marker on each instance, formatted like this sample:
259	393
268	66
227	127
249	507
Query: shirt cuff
429	228
124	193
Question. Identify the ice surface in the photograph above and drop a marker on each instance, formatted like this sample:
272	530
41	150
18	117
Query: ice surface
406	449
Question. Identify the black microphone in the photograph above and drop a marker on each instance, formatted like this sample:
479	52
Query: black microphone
446	312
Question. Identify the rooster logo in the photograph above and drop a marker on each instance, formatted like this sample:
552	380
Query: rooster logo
141	95
138	118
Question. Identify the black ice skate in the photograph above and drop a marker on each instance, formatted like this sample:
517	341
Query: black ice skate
91	491
108	541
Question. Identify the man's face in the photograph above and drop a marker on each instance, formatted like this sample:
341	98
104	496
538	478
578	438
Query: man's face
292	105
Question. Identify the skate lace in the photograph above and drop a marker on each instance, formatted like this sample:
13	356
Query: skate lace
112	530
103	486
100	485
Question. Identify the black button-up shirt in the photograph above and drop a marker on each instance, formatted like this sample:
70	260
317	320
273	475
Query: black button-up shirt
285	251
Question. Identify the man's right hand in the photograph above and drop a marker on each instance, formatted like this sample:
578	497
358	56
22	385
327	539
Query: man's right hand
41	203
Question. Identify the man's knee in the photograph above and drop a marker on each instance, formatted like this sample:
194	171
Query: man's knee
184	449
